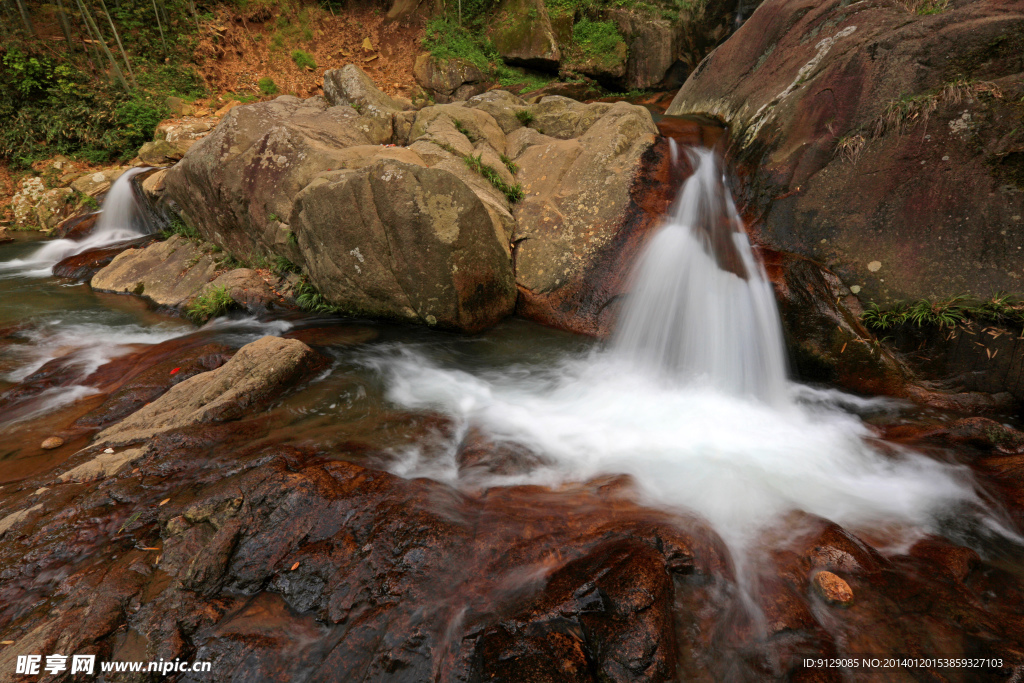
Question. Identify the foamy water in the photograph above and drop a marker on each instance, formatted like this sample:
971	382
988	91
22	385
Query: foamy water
740	463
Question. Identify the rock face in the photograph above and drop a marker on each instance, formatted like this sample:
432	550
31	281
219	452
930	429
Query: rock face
882	142
589	198
825	338
399	240
237	185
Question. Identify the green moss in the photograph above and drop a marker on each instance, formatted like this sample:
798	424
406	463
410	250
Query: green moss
597	39
213	303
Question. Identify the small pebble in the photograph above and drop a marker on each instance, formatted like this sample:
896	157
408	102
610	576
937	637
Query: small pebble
833	588
108	450
52	442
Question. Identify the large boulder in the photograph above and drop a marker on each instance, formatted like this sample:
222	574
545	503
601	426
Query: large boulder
589	200
399	240
237	185
350	86
651	42
168	273
254	376
880	141
448	80
522	34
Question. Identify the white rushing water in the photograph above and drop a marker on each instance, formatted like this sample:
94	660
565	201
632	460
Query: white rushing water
701	308
120	219
691	400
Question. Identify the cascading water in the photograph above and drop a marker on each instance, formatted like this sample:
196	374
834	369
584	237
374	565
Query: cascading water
691	401
120	219
702	309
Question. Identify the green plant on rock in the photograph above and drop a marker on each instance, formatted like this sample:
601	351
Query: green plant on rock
178	226
525	116
310	299
513	193
459	126
267	85
283	266
210	304
597	39
512	166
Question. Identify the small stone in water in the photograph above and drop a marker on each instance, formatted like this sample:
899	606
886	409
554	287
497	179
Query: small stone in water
52	442
833	588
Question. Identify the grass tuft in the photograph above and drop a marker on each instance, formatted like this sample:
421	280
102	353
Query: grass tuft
215	302
513	193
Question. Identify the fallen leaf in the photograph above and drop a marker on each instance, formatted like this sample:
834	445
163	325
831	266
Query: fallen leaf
149	548
370	59
295	566
6	642
175	371
842	349
165	501
367	45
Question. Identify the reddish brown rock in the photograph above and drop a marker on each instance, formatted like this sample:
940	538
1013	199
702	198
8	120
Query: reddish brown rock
84	265
881	141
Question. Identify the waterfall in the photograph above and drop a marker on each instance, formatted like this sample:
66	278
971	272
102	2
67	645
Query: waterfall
121	219
701	308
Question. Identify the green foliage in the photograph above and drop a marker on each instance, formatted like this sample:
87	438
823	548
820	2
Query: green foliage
229	262
267	85
596	38
1000	309
51	107
178	226
283	266
525	116
310	299
512	166
293	239
459	126
215	302
445	39
512	192
303	59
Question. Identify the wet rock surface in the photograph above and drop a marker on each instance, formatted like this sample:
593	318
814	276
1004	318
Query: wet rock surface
878	140
214	540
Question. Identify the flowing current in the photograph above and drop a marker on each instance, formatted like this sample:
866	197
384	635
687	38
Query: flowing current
691	400
120	219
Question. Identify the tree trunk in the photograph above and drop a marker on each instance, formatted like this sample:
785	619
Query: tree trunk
65	25
120	47
91	23
23	9
159	27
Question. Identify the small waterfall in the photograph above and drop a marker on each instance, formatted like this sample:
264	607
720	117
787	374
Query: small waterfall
121	219
702	309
